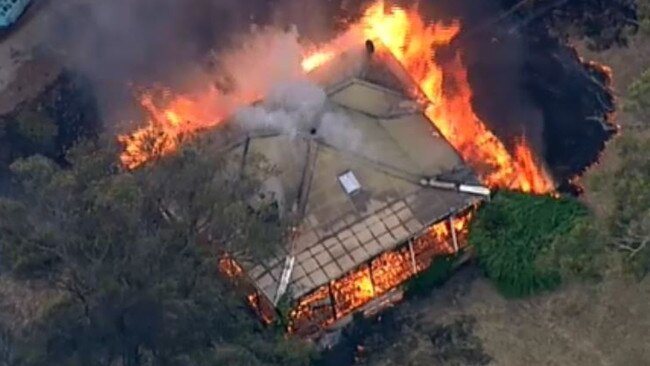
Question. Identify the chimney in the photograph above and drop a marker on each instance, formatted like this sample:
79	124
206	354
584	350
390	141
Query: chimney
370	47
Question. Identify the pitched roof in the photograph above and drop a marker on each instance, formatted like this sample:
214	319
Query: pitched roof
393	148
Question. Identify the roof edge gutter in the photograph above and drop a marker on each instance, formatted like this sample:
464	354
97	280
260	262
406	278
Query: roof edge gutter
474	189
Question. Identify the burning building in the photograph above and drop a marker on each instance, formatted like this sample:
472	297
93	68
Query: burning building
377	164
368	213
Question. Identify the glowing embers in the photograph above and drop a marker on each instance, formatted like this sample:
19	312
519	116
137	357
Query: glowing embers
352	291
386	272
229	267
312	312
262	307
391	269
437	241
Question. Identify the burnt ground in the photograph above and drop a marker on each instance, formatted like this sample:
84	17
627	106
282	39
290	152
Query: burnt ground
588	324
528	83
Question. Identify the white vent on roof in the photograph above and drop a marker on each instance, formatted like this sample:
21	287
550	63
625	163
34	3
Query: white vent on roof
349	182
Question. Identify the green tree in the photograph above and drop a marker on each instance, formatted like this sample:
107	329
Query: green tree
513	231
628	184
644	15
581	253
602	23
37	128
637	101
134	254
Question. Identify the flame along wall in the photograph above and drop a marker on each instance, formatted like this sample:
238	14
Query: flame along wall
260	304
340	298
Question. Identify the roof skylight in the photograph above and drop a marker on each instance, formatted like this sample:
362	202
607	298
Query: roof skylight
349	182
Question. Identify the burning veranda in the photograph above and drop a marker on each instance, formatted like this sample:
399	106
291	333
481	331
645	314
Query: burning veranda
369	213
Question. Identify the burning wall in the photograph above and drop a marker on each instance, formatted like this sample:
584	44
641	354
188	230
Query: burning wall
341	297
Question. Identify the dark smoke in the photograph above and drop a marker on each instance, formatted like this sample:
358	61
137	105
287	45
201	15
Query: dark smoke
525	82
528	83
121	43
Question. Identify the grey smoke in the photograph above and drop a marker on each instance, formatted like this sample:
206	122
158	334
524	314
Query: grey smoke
204	48
337	130
288	108
296	107
301	97
119	44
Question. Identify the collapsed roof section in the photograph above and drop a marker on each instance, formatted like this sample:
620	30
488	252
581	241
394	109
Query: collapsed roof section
353	199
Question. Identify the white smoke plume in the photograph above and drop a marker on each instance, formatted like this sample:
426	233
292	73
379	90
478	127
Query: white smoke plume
337	130
297	107
288	108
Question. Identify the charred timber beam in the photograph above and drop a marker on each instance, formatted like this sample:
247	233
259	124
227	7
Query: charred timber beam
454	236
244	156
332	299
372	280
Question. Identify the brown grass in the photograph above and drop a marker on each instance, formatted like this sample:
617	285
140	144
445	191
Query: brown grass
604	324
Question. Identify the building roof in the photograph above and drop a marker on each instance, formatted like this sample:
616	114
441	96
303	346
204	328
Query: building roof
391	147
10	10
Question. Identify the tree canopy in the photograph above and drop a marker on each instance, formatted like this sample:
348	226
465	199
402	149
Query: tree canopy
602	23
134	255
513	231
627	186
637	100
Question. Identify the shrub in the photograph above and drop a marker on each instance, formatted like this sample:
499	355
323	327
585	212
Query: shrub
512	231
437	274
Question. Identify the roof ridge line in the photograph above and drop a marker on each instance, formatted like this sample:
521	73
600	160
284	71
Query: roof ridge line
382	167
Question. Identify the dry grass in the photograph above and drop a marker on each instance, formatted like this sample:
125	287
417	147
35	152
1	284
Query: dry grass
581	325
627	64
604	324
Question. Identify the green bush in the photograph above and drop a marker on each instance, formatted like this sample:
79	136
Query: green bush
439	271
638	96
513	231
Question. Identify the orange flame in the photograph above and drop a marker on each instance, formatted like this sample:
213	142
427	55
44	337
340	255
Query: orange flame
166	127
316	59
389	270
415	44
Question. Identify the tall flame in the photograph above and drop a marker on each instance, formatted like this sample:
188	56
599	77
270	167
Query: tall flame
167	126
415	44
316	59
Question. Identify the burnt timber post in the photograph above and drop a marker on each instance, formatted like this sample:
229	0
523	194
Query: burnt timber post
454	237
